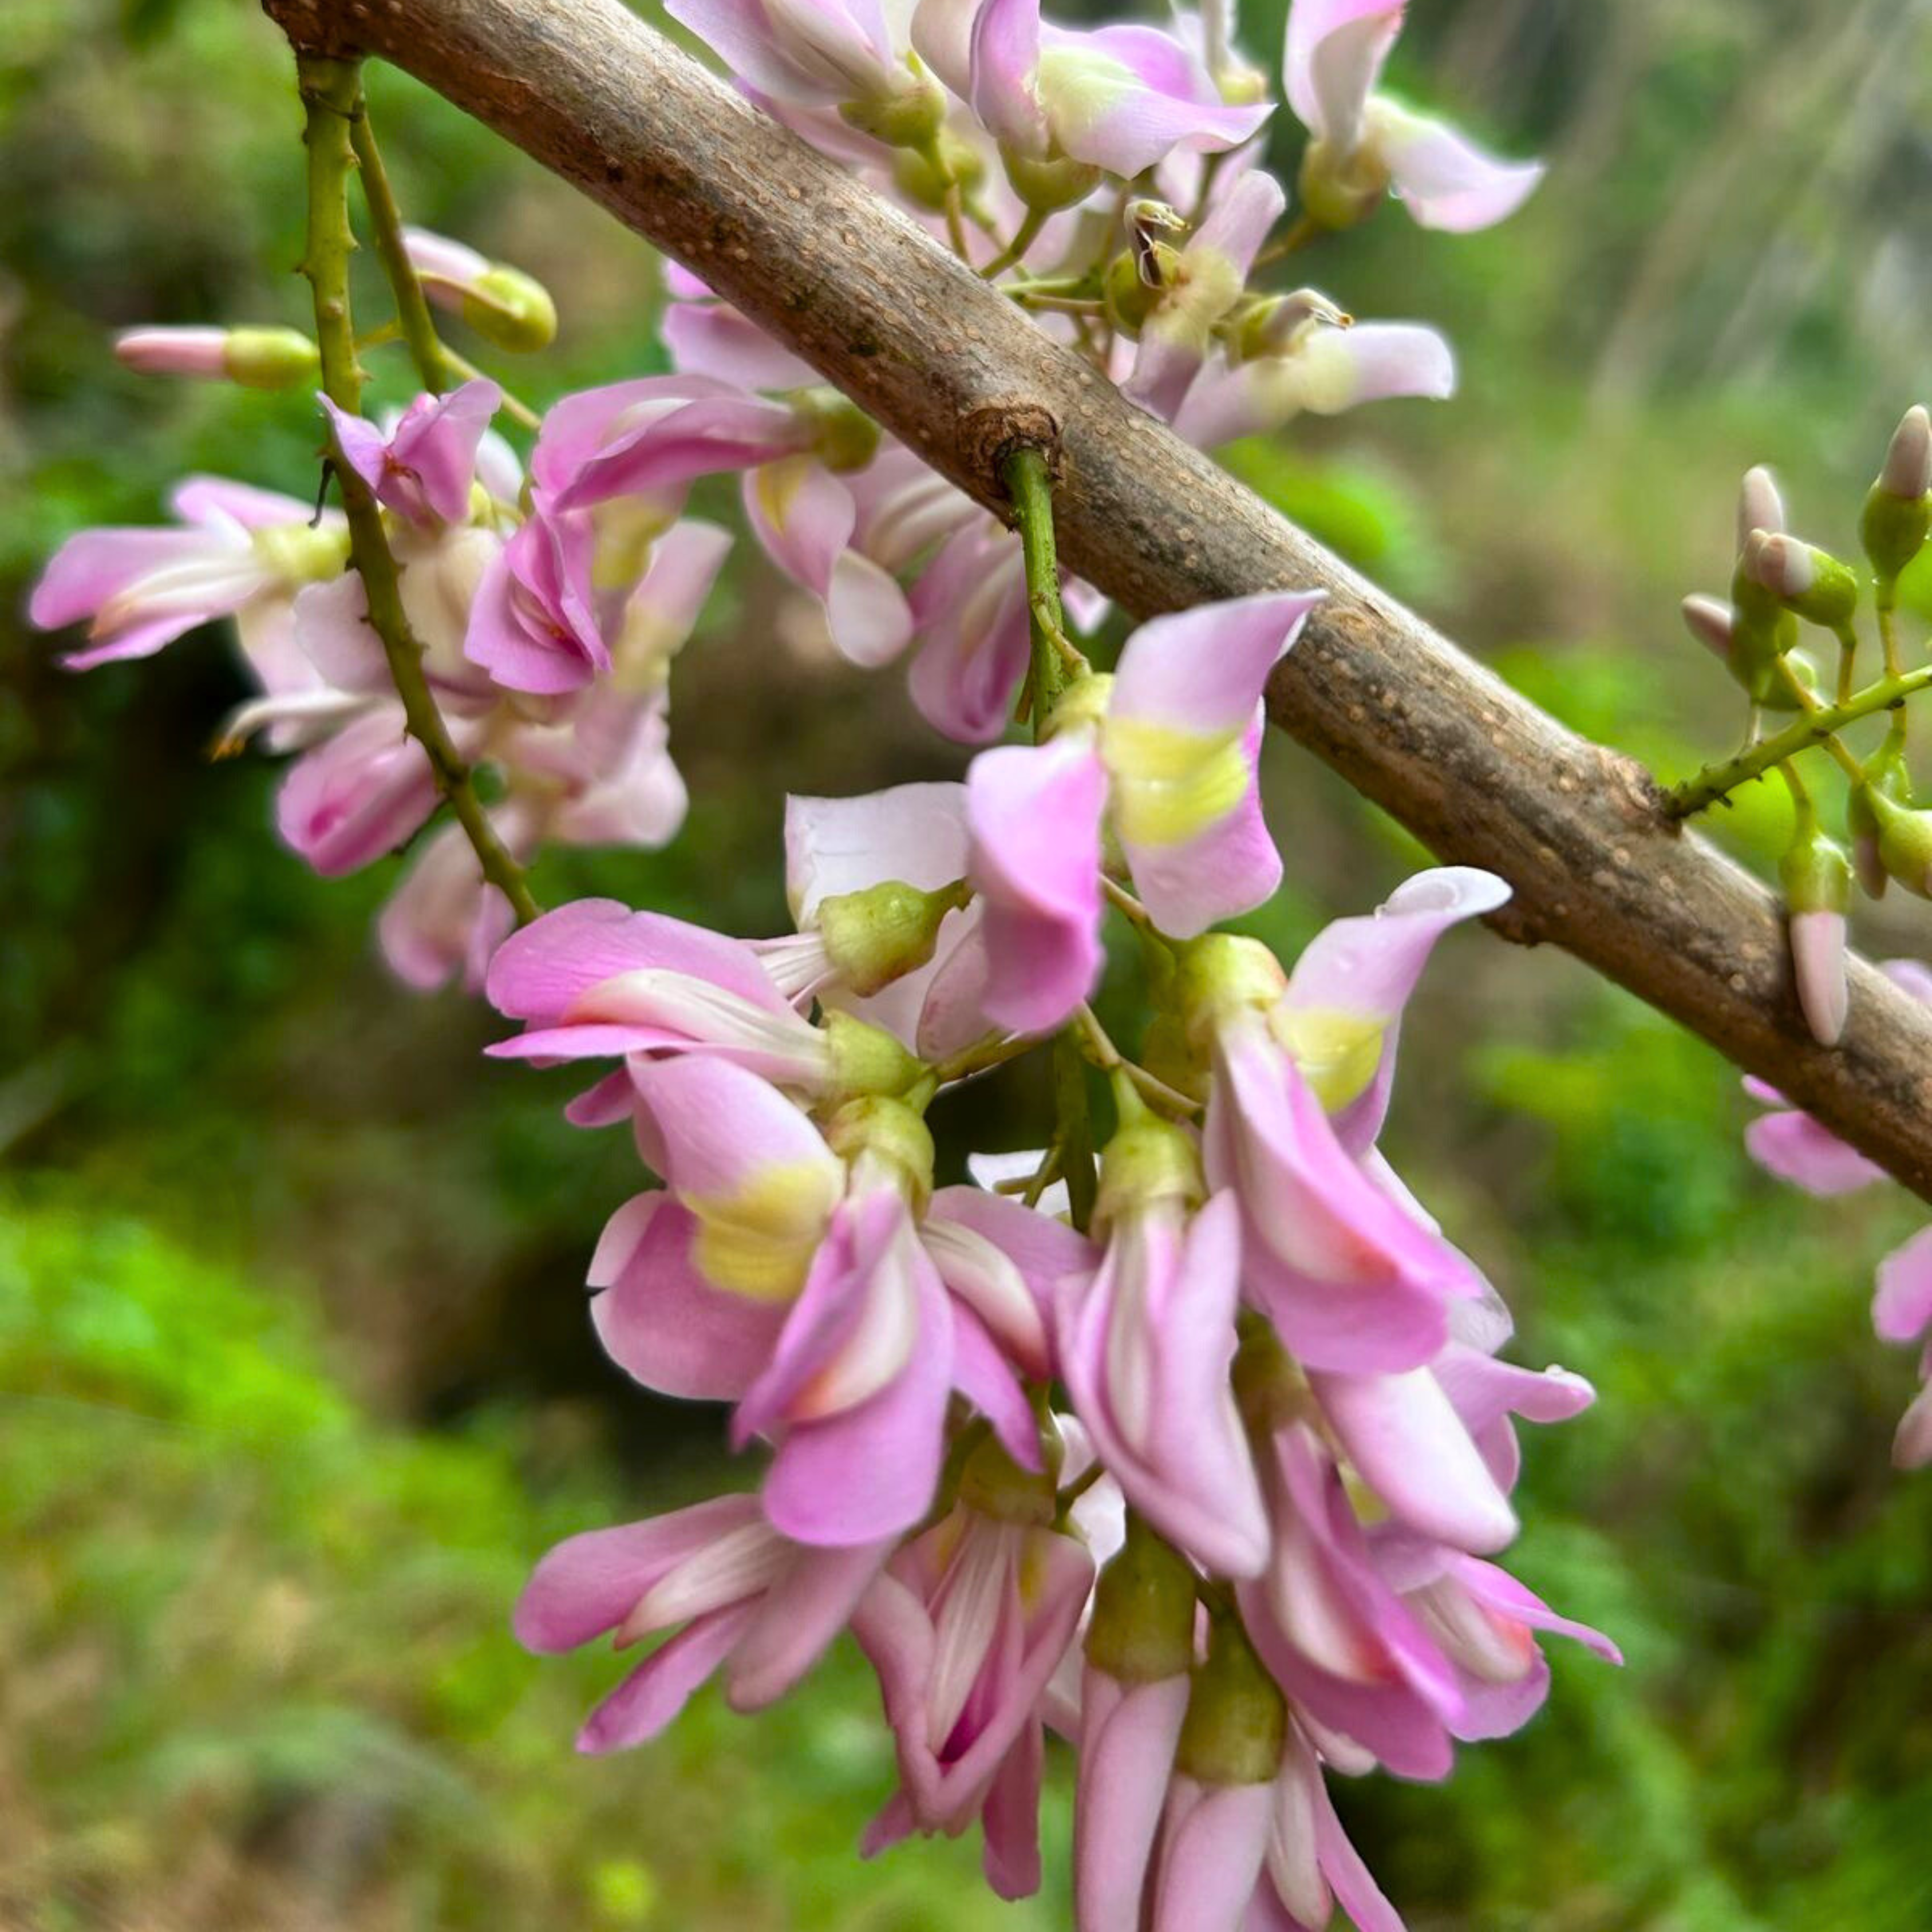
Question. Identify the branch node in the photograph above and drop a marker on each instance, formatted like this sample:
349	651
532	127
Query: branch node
991	433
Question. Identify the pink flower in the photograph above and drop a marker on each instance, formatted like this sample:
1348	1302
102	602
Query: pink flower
965	1628
1200	284
1171	761
1145	1343
536	624
360	796
1119	98
1313	359
763	1608
777	1275
242	550
444	920
653	437
423	468
837	53
1363	143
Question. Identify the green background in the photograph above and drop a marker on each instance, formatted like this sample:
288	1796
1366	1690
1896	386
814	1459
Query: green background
295	1379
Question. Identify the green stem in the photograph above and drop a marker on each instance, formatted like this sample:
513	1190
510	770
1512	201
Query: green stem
1029	488
1302	231
1888	632
331	102
1816	727
1024	236
385	218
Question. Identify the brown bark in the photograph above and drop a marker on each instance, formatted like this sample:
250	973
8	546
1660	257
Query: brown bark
952	367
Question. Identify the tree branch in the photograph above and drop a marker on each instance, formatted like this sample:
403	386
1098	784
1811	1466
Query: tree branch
952	367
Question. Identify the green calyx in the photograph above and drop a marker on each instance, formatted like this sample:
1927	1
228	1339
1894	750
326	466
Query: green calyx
1270	1388
1218	975
1816	873
300	553
1892	531
1143	1627
1130	297
866	1063
886	931
1237	1719
927	174
511	309
843	436
1082	706
1149	1162
909	115
1049	185
1339	192
270	359
1904	840
996	1485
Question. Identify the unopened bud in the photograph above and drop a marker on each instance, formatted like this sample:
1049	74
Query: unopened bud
1904	842
1143	1626
257	359
1237	1720
1046	186
1708	620
874	937
1886	774
844	437
503	305
1816	875
1897	512
1760	506
1810	583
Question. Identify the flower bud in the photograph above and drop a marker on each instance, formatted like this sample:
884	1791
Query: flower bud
1898	512
503	305
1708	620
844	437
256	358
1885	774
1904	841
1143	1625
1760	506
874	937
1048	186
1809	582
1816	877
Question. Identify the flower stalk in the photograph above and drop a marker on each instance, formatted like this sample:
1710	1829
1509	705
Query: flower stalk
331	94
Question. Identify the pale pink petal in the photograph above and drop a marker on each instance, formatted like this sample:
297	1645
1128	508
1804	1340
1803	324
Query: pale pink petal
1034	815
1211	1856
590	1583
913	833
711	338
1902	1309
1311	22
666	1326
721	1125
1442	178
1796	1148
651	1697
1203	670
357	797
1127	1740
798	1617
1368	968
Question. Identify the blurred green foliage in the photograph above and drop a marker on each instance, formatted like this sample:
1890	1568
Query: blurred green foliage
294	1374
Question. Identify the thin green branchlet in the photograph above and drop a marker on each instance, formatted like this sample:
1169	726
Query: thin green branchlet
331	94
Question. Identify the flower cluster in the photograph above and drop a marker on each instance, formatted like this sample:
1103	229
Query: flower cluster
1195	1450
1208	1485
